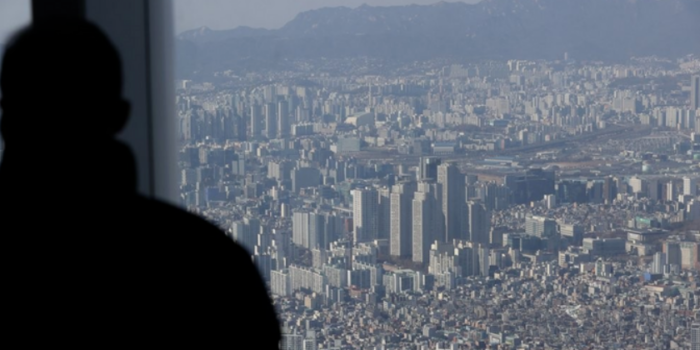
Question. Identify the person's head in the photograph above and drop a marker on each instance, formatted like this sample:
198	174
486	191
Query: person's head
61	80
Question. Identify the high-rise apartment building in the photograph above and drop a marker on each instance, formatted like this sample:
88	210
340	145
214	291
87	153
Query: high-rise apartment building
245	232
690	185
401	219
256	121
695	92
484	259
270	120
309	229
451	183
637	184
609	190
673	253
283	123
479	223
384	213
426	220
364	211
671	190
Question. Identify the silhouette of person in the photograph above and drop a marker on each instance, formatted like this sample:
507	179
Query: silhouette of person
87	260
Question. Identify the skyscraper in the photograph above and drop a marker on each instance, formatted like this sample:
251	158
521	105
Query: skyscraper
689	186
695	92
451	183
245	232
255	121
670	194
270	120
425	220
383	213
479	223
401	225
609	190
673	253
364	214
484	256
283	125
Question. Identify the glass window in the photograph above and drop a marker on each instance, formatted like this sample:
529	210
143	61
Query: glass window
422	174
13	15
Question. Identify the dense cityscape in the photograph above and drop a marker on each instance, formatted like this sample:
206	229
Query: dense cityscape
476	174
498	205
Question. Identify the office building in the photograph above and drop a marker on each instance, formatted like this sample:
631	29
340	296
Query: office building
572	233
541	227
531	186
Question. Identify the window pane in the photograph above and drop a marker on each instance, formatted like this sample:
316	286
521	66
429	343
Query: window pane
13	15
422	174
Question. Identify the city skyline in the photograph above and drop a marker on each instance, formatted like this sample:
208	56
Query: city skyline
450	177
558	192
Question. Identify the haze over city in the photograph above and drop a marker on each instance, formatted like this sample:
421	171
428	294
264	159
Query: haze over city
493	175
269	14
504	175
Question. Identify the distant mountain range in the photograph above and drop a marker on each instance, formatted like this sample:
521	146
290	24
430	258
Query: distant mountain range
608	30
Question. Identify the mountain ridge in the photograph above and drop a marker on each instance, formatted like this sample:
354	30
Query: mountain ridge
495	29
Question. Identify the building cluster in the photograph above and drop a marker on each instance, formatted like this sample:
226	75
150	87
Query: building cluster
500	205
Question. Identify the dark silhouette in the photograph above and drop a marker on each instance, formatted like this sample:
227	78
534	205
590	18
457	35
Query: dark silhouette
87	260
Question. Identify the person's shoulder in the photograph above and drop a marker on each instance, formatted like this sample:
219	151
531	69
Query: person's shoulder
190	231
176	219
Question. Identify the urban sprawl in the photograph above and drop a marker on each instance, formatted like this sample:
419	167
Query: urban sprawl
434	205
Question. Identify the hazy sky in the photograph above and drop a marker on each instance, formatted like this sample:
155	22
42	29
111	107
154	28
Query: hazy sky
216	14
225	14
13	14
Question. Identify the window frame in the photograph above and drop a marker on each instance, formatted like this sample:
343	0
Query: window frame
143	32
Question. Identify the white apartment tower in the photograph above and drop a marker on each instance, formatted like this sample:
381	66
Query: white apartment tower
690	185
401	220
426	218
364	214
